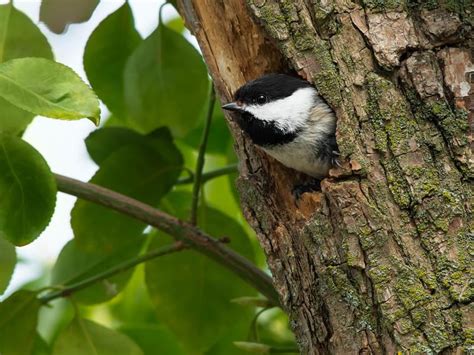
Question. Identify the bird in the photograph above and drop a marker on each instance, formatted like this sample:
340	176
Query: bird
290	121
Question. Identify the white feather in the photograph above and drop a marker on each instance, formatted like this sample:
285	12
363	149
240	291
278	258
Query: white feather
289	113
299	154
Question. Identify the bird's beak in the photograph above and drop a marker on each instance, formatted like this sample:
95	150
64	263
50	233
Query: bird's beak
232	106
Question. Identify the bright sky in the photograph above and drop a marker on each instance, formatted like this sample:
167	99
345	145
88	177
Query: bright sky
62	143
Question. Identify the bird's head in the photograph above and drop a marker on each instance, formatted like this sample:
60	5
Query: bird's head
278	100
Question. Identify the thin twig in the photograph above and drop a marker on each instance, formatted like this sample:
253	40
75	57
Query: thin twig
180	230
202	156
68	290
226	170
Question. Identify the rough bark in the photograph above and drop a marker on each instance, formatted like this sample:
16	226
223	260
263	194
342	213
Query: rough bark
381	260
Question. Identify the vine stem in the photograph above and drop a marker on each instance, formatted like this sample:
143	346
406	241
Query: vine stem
180	230
68	290
202	157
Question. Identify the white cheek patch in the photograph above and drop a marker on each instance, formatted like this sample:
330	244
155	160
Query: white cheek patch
289	113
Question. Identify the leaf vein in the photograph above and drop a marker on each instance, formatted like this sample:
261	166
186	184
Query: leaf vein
15	176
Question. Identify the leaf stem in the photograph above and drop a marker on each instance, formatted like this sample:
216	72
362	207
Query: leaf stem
68	290
225	170
180	230
202	156
160	13
253	333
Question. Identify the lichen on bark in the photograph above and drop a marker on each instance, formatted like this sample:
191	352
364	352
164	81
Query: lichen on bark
381	259
415	282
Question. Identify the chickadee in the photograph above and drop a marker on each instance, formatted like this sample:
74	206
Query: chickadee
287	118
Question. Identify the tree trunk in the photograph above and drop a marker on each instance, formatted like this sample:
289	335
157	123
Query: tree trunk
381	260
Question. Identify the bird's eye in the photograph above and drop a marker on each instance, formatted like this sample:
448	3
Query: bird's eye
261	99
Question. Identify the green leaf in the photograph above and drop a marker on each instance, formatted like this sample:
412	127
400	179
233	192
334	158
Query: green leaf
114	121
225	345
13	120
106	53
256	348
18	316
103	142
47	88
219	135
232	158
145	171
7	263
135	306
27	191
40	347
18	28
74	265
153	339
84	337
274	328
54	318
253	302
58	14
176	24
191	292
166	83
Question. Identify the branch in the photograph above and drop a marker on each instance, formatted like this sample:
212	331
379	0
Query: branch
180	230
68	290
201	156
226	170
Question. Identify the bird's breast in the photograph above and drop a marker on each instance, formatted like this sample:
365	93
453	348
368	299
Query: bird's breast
300	156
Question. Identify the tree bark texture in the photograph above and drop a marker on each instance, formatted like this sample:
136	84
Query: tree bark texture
381	260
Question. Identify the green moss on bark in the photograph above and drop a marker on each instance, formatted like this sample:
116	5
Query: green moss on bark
393	127
273	19
389	269
324	18
453	125
381	275
410	290
327	79
338	285
461	7
384	5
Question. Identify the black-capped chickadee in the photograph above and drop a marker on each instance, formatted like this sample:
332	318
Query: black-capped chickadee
287	118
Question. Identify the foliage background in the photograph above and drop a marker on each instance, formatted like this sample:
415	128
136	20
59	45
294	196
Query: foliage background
186	306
